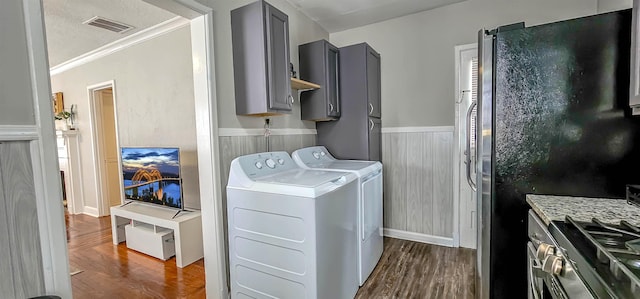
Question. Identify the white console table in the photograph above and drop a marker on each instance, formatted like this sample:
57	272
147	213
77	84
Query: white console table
186	226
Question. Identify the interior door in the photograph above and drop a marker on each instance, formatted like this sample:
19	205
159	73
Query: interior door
111	185
466	119
278	59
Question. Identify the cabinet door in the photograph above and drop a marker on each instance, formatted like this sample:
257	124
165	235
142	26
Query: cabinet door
333	87
373	82
277	26
375	139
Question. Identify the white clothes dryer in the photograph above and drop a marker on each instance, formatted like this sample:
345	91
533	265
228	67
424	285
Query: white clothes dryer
292	233
369	215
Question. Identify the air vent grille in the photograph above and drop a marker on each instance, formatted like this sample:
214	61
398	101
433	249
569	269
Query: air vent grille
110	25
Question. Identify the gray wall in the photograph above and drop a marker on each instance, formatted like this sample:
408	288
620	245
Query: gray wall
154	98
418	51
16	101
301	30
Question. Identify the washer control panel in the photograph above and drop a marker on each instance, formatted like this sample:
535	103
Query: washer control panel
314	155
263	164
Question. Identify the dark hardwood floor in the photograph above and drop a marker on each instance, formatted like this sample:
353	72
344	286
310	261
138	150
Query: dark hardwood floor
416	270
406	270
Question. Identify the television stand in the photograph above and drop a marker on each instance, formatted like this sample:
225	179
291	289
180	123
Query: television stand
187	228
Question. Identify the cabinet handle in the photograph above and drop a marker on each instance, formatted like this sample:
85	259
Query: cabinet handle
290	98
370	108
372	125
330	107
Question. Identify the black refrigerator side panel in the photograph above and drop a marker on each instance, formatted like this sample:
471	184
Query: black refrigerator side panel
347	137
560	127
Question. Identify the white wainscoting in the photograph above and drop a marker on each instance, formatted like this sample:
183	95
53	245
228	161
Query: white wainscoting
418	184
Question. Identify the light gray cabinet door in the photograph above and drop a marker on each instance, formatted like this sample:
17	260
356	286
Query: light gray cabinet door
260	43
320	64
277	26
333	88
375	139
373	82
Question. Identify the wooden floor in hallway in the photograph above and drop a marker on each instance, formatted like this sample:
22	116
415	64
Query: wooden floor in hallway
406	270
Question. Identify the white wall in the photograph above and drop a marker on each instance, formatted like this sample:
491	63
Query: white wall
301	30
154	98
418	51
16	102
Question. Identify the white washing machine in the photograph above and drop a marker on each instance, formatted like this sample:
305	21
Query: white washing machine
369	212
292	233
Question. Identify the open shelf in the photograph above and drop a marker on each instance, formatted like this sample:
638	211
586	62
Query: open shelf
303	85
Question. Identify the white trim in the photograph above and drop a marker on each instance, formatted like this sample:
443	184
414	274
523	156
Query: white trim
14	133
260	132
204	87
417	129
48	190
91	211
121	44
417	237
96	142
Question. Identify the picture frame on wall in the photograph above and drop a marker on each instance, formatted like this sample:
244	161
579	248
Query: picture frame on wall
58	102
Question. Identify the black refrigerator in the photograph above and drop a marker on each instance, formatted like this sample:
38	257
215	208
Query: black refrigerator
553	118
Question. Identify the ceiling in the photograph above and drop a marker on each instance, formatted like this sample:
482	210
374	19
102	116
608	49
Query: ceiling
68	38
338	15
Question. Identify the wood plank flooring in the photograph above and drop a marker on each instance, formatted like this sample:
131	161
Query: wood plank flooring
406	270
110	271
416	270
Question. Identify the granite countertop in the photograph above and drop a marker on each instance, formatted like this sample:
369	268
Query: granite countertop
607	210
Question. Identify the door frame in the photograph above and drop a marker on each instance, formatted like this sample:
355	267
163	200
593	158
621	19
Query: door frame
459	237
52	228
97	146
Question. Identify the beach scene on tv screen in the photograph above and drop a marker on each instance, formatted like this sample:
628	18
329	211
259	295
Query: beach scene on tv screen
152	175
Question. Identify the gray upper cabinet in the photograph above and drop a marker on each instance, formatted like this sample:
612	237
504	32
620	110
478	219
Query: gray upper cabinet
260	38
320	63
634	90
357	133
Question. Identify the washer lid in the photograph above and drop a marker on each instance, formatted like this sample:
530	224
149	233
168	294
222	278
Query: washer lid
306	178
343	164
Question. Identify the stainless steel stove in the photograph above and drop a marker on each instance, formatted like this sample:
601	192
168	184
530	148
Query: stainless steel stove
606	256
584	259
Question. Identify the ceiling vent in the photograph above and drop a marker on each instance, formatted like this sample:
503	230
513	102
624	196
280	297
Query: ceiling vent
110	25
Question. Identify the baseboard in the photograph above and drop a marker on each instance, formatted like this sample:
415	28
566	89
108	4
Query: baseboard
418	237
91	211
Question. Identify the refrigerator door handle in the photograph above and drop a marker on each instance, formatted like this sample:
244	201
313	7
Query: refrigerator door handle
467	151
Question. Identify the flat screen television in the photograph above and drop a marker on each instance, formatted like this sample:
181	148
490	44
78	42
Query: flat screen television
152	175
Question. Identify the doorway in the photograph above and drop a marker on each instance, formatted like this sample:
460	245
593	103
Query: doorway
106	145
465	161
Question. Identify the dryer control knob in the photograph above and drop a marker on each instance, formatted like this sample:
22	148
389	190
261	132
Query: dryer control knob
322	154
258	165
280	161
270	163
316	155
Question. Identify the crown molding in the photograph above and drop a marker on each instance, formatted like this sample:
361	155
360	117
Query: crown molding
121	44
